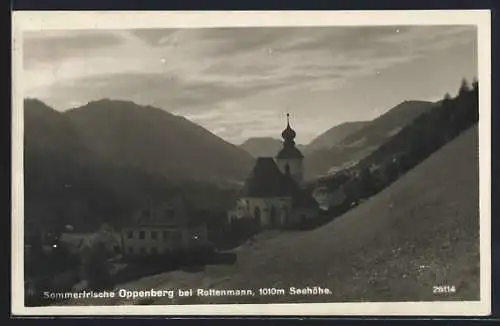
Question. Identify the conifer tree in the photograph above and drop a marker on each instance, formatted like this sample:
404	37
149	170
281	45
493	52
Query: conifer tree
475	84
464	87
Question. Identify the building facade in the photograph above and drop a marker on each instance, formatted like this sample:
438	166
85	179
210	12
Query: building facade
163	229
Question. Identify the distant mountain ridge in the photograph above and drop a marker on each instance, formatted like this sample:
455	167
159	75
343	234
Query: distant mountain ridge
262	146
334	135
265	146
359	144
156	141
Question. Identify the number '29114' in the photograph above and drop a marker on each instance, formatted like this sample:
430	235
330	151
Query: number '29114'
443	289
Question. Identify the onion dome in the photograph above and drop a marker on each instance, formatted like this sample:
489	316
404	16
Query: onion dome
289	150
288	134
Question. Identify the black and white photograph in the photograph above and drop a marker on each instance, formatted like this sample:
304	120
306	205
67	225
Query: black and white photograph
251	163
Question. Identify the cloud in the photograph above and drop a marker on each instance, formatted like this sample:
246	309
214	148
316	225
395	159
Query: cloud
162	90
244	77
237	122
54	46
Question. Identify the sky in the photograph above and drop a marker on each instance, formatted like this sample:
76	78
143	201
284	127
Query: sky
240	82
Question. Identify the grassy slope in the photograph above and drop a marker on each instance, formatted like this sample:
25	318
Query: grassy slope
419	232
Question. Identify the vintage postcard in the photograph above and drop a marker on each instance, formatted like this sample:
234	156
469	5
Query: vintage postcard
251	163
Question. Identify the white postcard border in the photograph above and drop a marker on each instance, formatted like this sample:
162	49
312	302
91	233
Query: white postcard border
57	20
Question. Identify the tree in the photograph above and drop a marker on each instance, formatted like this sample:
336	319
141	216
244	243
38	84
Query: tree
475	84
464	87
366	182
93	266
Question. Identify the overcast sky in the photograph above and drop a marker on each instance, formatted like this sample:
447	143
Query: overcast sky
240	82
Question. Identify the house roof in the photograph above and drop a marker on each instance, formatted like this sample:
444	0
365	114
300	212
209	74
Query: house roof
172	213
169	213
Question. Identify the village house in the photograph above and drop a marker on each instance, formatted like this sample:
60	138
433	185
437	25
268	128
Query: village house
327	199
274	195
75	243
161	229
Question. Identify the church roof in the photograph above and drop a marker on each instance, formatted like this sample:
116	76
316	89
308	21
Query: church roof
267	180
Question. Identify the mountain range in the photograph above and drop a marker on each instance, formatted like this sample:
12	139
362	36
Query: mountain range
362	139
125	134
264	146
334	135
269	146
345	144
102	161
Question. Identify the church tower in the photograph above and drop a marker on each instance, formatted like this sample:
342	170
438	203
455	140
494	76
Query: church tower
289	158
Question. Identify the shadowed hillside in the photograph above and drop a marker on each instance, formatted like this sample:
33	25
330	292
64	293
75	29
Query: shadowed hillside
361	143
334	135
91	165
421	231
156	141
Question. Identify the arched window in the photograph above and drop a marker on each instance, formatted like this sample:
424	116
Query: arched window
287	168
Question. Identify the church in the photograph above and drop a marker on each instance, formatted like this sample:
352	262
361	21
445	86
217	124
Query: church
273	194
